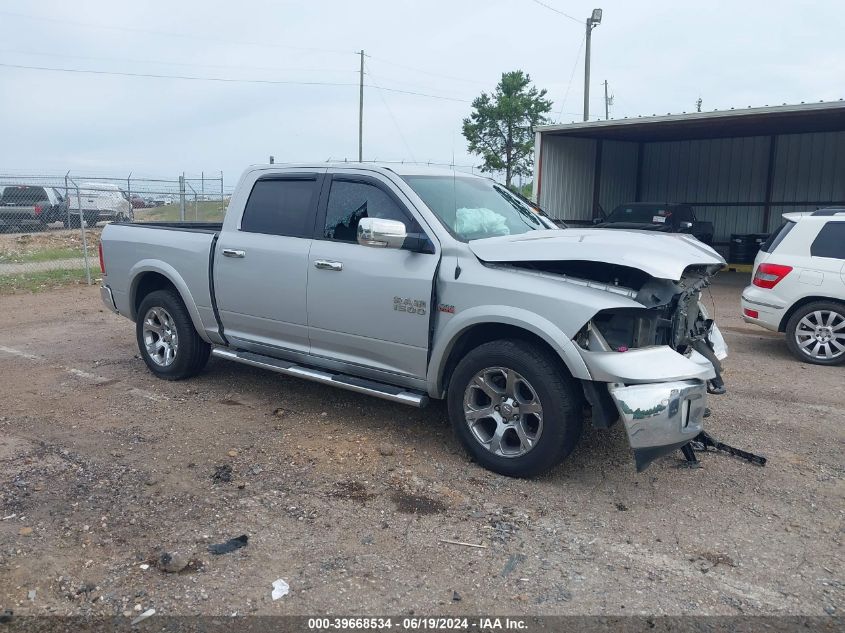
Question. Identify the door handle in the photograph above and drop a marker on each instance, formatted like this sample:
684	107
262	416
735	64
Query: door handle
324	264
230	252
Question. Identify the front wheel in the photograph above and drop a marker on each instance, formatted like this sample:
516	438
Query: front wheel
167	339
816	333
514	408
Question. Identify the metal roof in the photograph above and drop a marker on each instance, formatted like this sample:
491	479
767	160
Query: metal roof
765	121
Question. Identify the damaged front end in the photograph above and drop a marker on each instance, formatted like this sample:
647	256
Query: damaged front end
658	362
653	357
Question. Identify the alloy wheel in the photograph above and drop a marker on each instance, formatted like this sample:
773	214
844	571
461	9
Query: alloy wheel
503	412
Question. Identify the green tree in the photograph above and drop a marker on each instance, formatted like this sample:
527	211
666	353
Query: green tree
499	129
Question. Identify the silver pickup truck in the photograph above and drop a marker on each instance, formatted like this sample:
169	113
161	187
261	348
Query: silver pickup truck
408	283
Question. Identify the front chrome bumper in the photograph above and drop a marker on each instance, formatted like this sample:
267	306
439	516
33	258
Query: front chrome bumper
108	298
660	417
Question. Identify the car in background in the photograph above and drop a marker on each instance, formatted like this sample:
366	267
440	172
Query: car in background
99	201
137	201
665	217
30	206
799	286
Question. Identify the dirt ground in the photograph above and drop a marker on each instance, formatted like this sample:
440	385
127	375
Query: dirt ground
349	498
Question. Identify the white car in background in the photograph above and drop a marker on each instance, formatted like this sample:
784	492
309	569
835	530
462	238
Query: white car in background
799	286
100	201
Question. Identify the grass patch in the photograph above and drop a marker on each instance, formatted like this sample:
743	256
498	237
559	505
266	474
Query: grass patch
42	281
201	211
44	255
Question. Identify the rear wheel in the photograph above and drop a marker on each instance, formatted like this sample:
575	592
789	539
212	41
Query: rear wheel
167	339
514	408
816	333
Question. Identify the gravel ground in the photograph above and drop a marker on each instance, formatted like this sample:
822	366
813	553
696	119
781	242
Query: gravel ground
349	499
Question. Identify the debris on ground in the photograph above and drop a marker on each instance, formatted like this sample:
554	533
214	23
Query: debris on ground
450	542
280	589
31	594
25	531
143	616
222	474
513	562
172	562
229	546
6	616
456	597
385	449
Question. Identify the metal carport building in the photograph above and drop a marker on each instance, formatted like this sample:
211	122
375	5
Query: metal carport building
740	169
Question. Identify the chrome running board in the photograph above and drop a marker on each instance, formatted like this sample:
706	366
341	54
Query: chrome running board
351	383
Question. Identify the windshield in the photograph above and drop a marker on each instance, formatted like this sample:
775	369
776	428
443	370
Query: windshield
645	214
476	208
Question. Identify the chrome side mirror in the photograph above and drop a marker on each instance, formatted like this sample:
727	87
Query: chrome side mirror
381	233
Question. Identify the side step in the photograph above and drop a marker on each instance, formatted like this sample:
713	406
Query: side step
352	383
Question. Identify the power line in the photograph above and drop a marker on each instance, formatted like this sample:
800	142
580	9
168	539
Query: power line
428	72
128	29
242	42
550	8
170	63
390	112
425	94
571	76
184	77
225	80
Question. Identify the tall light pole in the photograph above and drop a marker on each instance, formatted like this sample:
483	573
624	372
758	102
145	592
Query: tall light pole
592	21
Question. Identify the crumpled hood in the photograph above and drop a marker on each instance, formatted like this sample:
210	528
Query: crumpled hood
661	255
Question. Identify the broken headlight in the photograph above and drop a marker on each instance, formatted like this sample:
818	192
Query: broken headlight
625	328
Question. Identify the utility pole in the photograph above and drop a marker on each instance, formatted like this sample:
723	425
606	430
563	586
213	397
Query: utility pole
698	103
361	111
592	22
606	103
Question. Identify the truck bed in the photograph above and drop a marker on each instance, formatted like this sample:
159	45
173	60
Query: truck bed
196	227
182	249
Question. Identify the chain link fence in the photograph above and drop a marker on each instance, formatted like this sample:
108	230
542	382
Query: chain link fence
50	225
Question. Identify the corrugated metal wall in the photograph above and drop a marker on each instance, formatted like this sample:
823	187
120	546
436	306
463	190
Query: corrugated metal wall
809	168
808	172
566	187
618	179
710	171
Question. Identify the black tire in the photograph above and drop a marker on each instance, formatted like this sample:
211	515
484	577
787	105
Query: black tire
806	355
562	414
192	352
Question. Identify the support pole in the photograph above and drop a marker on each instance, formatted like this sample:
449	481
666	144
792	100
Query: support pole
606	103
361	110
587	70
182	197
84	237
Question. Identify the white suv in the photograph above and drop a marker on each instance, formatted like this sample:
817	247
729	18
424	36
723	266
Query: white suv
799	286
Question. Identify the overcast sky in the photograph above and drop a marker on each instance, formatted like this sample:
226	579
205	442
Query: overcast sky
658	57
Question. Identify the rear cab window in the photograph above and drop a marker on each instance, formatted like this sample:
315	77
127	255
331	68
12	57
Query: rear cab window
830	242
23	195
284	205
